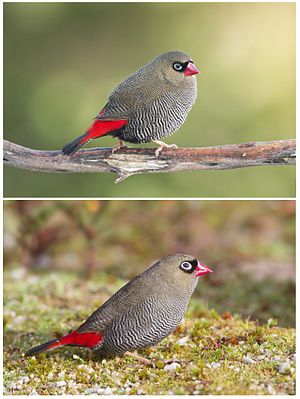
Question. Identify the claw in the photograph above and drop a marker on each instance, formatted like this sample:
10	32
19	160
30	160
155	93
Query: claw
141	359
119	146
161	146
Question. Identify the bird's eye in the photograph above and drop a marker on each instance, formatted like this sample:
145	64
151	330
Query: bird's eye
186	266
177	66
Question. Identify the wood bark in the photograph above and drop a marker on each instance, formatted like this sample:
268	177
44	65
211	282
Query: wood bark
131	161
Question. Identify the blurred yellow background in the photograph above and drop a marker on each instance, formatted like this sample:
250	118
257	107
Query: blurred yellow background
62	60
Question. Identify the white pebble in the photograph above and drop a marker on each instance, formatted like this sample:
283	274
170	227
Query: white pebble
271	390
19	319
248	360
215	365
61	383
284	367
172	367
90	391
182	341
260	357
50	376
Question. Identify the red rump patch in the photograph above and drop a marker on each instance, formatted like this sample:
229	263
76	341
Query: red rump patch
102	127
88	339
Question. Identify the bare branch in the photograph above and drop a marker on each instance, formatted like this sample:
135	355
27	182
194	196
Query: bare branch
132	161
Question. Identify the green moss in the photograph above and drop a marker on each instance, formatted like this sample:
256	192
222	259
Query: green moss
222	355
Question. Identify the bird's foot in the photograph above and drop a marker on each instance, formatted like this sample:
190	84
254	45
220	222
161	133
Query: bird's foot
138	357
118	147
161	146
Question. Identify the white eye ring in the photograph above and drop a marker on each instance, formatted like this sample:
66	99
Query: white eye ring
177	66
186	266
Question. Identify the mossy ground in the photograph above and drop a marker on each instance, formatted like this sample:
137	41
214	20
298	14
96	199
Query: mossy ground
216	354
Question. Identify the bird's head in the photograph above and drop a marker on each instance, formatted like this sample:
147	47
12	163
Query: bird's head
176	67
182	270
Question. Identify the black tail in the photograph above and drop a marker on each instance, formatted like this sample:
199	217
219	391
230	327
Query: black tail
43	347
71	148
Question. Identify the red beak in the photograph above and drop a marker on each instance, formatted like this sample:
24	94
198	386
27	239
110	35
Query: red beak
202	269
190	70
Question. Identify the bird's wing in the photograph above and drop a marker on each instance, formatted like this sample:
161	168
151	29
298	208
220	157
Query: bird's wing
113	110
128	296
146	323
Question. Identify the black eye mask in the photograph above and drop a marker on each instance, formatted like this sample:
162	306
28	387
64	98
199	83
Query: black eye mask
184	266
183	66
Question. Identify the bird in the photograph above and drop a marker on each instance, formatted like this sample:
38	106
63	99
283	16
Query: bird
141	314
149	105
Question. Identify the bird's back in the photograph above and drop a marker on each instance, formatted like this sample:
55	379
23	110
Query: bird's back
134	292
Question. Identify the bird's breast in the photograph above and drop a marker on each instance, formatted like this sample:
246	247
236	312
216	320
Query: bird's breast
153	120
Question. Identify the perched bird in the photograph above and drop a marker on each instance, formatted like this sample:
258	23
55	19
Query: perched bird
140	314
151	104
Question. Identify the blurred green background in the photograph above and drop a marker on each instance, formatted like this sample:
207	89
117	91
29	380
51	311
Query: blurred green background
62	60
250	245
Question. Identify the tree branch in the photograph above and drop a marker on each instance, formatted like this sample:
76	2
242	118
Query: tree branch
132	161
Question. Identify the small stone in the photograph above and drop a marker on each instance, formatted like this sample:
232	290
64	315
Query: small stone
19	319
172	367
61	383
284	367
50	376
182	341
270	390
215	365
248	360
90	391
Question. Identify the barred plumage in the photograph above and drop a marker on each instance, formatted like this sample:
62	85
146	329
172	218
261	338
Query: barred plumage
140	314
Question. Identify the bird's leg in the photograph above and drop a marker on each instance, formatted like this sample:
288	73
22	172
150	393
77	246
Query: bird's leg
161	146
138	357
120	145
